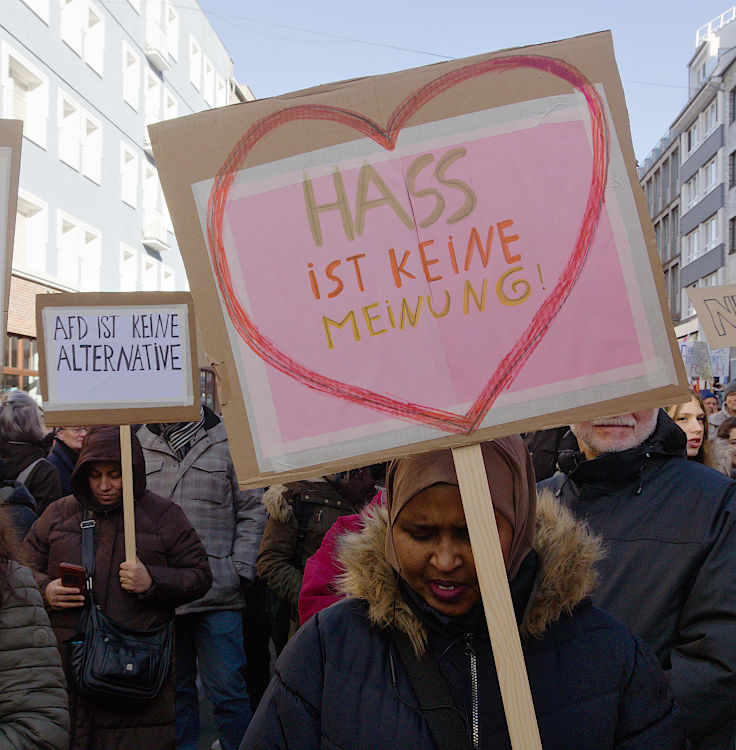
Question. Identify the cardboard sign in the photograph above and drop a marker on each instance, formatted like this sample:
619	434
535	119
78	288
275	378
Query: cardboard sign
696	356
419	260
716	310
11	137
117	358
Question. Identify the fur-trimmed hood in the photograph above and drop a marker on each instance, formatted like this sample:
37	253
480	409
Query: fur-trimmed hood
279	498
566	548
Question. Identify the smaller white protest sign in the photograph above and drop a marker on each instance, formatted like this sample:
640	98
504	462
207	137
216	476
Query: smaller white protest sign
117	358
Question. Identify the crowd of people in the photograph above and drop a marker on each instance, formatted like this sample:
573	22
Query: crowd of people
345	611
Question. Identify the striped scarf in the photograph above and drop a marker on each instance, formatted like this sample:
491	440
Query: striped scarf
180	435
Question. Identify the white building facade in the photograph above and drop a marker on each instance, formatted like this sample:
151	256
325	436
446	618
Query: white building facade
87	77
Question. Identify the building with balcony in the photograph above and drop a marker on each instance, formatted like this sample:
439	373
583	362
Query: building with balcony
696	224
87	78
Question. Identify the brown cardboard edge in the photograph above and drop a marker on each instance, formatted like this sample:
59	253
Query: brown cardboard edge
11	135
698	295
134	414
593	54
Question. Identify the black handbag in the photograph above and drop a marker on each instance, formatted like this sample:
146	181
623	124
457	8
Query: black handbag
111	660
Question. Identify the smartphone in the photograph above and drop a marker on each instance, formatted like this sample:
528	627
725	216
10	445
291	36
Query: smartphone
73	576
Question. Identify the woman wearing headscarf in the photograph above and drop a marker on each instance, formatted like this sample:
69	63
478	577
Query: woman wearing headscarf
171	569
413	599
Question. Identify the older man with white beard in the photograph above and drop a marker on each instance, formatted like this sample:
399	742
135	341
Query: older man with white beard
670	569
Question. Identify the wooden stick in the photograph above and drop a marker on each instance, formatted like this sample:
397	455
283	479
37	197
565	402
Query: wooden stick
494	587
126	466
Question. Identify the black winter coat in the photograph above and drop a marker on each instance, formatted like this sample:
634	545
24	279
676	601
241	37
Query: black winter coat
669	572
594	685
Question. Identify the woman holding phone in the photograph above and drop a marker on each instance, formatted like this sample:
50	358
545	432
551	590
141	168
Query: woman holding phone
171	568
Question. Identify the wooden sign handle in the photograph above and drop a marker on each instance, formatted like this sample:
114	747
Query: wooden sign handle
494	587
126	466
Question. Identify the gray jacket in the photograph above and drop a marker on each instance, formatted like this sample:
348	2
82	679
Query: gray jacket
34	710
229	521
717	419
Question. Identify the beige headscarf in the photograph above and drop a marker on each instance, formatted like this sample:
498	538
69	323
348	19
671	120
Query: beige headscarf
510	476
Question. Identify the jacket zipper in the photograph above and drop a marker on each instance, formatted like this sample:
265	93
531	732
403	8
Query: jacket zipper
470	651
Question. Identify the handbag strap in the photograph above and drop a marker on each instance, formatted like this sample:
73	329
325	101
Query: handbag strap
88	545
440	712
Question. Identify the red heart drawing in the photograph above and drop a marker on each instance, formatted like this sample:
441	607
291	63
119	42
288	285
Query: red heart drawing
386	137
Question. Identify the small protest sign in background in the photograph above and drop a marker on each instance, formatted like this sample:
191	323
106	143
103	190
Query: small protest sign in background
117	358
11	137
716	310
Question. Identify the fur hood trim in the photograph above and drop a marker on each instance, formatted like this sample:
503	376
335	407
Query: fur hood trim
277	501
566	548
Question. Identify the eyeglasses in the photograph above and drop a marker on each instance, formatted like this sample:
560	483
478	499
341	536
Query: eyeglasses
77	430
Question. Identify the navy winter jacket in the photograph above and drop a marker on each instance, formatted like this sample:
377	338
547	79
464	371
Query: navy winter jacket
669	573
594	685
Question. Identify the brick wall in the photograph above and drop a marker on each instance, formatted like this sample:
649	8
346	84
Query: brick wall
22	305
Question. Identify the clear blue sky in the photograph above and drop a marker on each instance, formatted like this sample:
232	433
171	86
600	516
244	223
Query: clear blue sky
286	45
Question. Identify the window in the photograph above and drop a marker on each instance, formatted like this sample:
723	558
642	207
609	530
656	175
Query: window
128	175
40	8
700	75
658	237
687	304
675	172
732	235
675	228
675	290
666	182
710	238
152	98
149	275
220	92
172	30
25	96
128	269
167	279
91	148
71	24
70	132
732	169
691	137
710	117
656	190
94	38
170	106
690	191
710	176
691	247
150	187
665	238
209	83
732	105
79	252
90	260
195	63
21	364
131	76
31	233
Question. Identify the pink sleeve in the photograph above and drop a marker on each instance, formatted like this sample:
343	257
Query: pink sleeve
323	567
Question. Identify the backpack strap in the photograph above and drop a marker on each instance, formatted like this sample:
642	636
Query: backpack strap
23	476
445	720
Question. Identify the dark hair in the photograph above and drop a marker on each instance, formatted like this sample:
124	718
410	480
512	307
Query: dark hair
724	431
